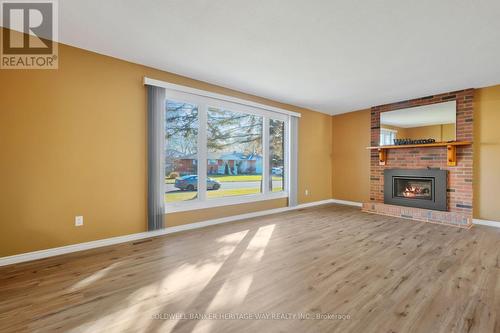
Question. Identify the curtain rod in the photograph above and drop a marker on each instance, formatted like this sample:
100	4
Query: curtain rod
199	92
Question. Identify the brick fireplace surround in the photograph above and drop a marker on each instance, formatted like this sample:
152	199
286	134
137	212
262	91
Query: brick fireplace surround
459	191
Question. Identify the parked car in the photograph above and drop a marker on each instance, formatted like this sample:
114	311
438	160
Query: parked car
278	171
190	183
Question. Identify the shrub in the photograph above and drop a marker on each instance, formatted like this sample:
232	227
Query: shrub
173	175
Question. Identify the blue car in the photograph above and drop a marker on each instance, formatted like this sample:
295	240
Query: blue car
190	183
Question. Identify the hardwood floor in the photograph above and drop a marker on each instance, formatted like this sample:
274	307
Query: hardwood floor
383	274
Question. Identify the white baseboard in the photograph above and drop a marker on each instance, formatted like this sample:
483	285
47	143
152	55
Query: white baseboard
495	224
347	202
311	204
18	258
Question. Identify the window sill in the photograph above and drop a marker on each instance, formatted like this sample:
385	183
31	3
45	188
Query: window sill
220	202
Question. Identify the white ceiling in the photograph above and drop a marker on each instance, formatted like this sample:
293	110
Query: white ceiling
427	115
332	56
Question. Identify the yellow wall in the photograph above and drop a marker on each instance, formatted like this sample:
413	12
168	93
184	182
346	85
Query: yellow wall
73	142
213	213
315	153
436	132
487	153
350	158
439	133
424	132
448	132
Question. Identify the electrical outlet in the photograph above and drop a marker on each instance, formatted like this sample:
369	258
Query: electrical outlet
78	221
307	192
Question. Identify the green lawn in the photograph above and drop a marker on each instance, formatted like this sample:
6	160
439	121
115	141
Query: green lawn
179	196
230	192
183	196
239	178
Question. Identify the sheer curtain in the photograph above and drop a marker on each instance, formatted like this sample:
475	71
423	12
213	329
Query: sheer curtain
293	161
156	163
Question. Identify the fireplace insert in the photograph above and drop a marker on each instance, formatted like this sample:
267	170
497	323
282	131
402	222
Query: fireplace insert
420	188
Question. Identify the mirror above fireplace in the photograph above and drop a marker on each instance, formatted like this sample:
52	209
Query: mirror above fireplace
421	124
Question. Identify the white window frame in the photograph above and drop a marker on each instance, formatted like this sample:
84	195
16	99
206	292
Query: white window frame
387	130
203	102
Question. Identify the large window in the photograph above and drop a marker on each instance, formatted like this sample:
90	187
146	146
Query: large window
387	136
234	157
181	151
277	155
219	152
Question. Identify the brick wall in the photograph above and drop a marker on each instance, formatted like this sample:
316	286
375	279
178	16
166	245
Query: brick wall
460	193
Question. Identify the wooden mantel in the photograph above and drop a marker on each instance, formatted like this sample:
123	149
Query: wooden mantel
451	147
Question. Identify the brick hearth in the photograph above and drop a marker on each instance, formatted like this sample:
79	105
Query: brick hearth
459	192
425	215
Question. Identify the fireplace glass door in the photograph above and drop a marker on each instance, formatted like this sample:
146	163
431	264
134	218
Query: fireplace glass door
413	188
419	188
